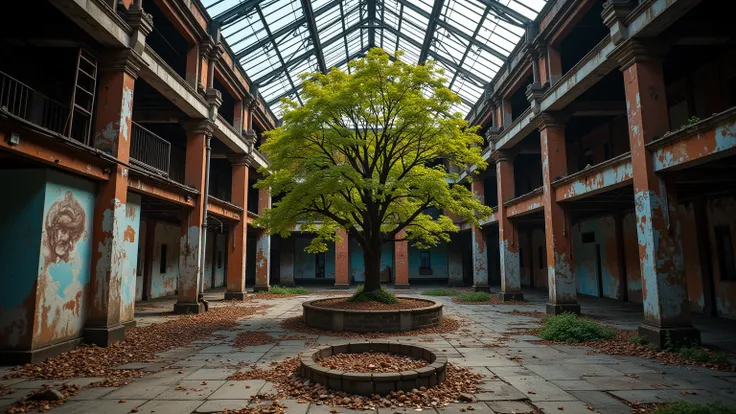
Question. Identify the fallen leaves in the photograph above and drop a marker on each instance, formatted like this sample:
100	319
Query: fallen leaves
296	323
285	376
377	362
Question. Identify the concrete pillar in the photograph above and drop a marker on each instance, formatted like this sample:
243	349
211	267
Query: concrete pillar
263	247
342	265
479	249
111	250
560	275
287	261
401	262
664	286
235	289
508	232
190	258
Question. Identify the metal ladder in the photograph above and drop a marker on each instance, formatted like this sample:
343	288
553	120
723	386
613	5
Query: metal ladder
79	124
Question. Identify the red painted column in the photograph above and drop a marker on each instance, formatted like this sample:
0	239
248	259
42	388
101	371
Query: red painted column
560	275
263	246
508	233
190	258
401	262
112	134
664	287
238	234
479	248
342	265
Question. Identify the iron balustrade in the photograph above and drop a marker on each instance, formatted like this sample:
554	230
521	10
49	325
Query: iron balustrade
25	102
150	149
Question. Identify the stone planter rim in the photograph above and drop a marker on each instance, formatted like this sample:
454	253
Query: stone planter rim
432	305
437	366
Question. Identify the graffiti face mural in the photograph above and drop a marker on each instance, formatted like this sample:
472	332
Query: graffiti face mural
65	224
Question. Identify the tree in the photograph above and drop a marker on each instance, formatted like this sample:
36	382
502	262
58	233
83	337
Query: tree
370	152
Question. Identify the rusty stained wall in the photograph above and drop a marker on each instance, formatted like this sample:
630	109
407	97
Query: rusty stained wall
601	254
164	283
631	256
131	223
47	250
722	212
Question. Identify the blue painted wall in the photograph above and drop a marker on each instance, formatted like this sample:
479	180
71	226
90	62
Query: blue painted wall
20	244
357	264
586	264
305	264
439	260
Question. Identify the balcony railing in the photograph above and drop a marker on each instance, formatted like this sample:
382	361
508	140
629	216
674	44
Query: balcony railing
24	102
149	149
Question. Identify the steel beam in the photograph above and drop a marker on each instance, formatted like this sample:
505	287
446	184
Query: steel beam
284	30
344	31
454	30
290	91
431	28
467	49
314	34
276	48
372	19
502	11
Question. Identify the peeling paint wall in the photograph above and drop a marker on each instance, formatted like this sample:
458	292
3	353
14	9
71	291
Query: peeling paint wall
722	212
164	283
305	264
357	265
439	261
141	261
587	261
131	223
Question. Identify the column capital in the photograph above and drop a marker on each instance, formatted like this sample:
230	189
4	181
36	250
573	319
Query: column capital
501	156
534	94
551	120
198	126
614	16
217	52
632	50
138	19
492	133
241	159
205	47
124	60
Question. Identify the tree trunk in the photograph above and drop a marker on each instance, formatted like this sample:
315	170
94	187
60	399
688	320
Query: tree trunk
372	261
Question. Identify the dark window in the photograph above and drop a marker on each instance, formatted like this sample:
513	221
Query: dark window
320	268
219	259
541	257
724	247
139	269
162	265
521	256
606	150
588	237
424	260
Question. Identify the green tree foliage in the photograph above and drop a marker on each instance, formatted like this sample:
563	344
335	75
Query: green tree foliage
369	152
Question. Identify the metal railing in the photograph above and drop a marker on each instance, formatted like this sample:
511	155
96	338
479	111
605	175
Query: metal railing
150	149
24	102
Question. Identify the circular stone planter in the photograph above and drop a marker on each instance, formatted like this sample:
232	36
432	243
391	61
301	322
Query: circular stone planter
372	320
366	383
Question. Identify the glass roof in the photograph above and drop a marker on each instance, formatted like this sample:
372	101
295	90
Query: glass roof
277	40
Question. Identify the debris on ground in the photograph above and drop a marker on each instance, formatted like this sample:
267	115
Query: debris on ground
44	399
141	344
255	338
288	382
376	362
296	323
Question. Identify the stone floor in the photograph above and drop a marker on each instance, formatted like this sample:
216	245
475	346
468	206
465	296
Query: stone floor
555	379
